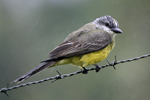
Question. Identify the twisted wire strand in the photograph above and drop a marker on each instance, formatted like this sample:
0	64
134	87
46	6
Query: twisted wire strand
59	76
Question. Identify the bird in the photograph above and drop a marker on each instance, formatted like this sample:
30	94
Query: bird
86	46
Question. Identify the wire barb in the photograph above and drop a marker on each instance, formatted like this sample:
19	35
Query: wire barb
113	63
6	93
59	76
4	90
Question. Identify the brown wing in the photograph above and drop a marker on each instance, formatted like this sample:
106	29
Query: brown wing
76	47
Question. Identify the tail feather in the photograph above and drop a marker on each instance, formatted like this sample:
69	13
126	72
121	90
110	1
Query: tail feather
35	70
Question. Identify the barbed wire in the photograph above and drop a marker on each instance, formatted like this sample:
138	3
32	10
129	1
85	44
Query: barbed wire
59	76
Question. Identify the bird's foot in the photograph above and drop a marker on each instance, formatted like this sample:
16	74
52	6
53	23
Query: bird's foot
84	71
97	67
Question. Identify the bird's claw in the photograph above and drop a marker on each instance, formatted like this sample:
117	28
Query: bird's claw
84	71
97	68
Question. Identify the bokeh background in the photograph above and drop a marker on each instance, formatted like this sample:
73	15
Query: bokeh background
30	29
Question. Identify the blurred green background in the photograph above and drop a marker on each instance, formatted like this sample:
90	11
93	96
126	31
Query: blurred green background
30	29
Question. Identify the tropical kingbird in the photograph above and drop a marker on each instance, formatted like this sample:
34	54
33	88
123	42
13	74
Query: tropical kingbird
87	46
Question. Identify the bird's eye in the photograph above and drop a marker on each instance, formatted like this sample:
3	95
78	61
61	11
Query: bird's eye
107	24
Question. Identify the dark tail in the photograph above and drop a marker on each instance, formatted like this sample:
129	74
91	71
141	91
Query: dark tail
35	70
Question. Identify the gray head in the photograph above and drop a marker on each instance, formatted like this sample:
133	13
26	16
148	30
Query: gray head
107	23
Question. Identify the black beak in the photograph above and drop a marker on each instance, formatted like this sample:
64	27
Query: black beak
116	30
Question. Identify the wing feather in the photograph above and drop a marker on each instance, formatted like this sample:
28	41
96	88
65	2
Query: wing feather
79	46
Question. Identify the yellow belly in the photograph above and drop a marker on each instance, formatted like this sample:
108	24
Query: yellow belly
95	57
88	59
